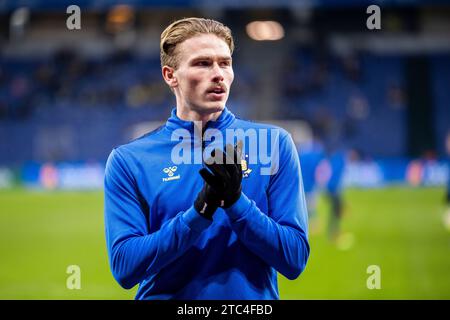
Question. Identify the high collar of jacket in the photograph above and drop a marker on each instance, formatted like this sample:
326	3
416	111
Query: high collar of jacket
225	119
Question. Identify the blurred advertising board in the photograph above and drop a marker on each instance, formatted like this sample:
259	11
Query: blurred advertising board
362	174
379	173
63	175
6	178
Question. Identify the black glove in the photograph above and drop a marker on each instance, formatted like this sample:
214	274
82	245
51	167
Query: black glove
226	176
208	200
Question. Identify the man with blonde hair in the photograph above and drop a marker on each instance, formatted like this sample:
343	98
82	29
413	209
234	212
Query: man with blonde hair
218	228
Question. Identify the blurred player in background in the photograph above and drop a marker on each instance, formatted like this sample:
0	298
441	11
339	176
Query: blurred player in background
311	154
337	160
221	237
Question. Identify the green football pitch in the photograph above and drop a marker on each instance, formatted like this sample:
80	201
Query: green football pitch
399	230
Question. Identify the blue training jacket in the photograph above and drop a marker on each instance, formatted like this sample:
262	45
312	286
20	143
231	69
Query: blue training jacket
155	237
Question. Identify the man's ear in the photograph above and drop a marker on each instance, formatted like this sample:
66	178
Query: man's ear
168	74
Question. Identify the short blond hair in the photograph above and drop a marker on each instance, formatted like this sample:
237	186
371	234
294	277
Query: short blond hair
186	28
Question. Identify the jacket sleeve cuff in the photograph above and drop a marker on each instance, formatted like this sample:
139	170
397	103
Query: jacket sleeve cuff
194	220
239	208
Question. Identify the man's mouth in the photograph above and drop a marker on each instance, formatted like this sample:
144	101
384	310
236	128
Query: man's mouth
216	93
217	90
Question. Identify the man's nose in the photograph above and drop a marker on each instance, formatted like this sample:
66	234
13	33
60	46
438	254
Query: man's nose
217	73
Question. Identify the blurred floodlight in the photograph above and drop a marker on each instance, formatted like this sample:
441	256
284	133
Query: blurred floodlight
120	18
265	30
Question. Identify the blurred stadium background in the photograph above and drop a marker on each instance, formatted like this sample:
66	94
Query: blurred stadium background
368	109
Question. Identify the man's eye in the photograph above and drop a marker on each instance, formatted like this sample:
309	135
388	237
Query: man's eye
202	63
225	63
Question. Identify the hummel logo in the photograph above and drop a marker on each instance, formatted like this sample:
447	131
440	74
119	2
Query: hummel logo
170	172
